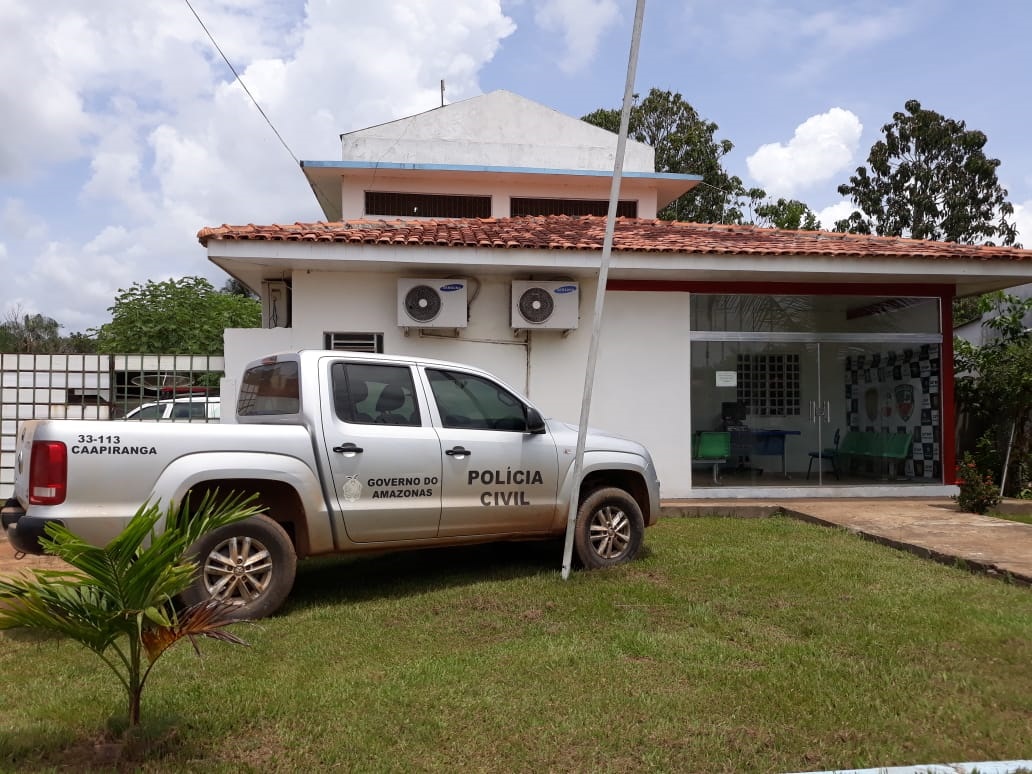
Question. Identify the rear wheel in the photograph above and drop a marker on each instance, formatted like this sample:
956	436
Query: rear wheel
249	564
610	528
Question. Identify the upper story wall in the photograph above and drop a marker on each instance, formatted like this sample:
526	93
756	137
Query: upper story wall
499	129
501	187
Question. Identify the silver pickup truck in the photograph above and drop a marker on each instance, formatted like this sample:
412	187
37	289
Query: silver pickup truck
347	452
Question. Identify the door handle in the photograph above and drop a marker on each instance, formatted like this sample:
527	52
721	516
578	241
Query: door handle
459	451
348	448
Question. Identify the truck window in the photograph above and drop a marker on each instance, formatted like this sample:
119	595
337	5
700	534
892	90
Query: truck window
270	389
188	410
467	401
154	411
368	394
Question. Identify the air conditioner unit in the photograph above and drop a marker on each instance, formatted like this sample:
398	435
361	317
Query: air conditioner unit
276	304
538	304
432	303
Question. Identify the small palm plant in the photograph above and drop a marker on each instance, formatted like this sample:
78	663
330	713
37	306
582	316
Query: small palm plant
118	601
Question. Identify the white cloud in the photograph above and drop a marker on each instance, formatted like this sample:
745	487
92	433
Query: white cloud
835	212
581	24
801	41
1023	220
44	116
18	222
125	132
822	146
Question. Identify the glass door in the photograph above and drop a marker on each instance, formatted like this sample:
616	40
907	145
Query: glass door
752	406
815	391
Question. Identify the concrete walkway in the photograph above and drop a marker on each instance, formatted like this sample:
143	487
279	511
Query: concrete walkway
933	528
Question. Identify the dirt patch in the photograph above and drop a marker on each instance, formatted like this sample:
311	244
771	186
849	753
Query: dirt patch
11	566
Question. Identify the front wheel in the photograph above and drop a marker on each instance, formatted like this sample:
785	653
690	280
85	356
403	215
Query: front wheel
610	528
249	564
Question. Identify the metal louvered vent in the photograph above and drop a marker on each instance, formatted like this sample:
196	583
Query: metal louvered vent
536	305
422	303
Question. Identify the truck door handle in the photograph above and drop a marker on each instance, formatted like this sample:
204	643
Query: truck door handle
459	451
348	448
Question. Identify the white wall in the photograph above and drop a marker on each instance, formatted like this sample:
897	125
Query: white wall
642	383
366	302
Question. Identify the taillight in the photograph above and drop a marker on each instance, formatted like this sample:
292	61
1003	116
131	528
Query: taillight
48	473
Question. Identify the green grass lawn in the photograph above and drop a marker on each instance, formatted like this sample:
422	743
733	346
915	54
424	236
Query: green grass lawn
1023	518
731	646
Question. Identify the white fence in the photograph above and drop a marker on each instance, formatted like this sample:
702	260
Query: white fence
91	387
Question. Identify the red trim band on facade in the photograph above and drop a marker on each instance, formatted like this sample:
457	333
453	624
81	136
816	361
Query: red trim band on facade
784	288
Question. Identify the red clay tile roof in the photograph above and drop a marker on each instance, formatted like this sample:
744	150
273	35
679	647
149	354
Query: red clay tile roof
563	232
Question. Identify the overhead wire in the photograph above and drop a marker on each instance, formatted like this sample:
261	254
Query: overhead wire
241	81
321	199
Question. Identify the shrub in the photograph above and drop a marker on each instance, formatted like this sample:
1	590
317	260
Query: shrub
118	600
978	491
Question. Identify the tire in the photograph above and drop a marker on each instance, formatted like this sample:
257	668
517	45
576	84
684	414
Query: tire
610	528
250	564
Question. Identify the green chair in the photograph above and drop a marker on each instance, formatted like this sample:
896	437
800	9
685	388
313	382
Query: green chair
898	449
850	448
712	448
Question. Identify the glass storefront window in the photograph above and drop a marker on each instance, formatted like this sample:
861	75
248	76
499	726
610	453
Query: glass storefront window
816	390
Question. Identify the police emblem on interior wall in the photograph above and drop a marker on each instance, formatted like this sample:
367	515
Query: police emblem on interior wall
352	489
871	403
905	400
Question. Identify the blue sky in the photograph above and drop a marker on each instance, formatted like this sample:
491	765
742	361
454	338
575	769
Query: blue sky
124	133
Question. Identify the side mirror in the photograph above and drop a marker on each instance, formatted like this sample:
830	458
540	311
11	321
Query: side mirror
535	423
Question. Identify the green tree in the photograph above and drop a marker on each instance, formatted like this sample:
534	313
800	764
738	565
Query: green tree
994	381
30	334
36	334
786	213
118	601
929	178
184	316
235	287
684	143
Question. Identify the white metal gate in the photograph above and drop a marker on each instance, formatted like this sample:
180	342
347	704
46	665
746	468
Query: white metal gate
93	387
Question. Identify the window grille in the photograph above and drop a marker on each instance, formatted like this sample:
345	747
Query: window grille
414	205
522	206
769	385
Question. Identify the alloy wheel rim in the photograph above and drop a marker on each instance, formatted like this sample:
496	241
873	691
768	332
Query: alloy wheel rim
610	532
238	570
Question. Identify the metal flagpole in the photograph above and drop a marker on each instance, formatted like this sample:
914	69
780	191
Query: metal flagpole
600	291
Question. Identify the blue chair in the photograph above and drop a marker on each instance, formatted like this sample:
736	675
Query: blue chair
830	453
